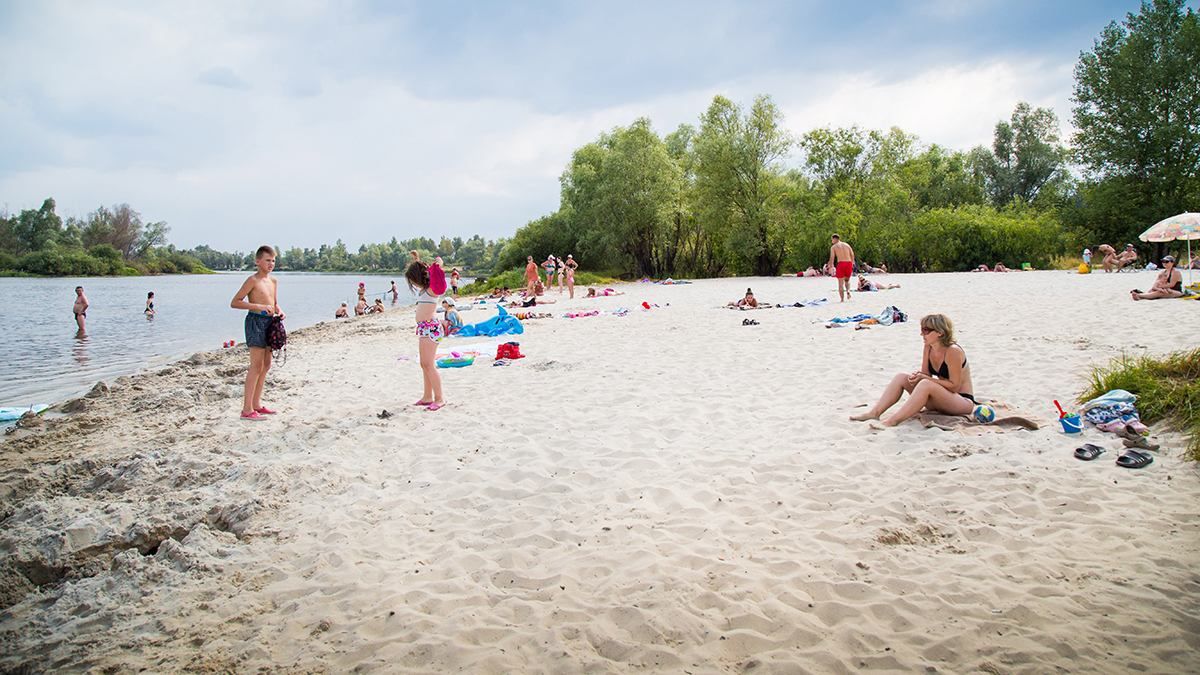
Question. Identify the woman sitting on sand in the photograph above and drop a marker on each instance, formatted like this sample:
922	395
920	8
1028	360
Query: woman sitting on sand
747	302
943	384
1169	283
1000	268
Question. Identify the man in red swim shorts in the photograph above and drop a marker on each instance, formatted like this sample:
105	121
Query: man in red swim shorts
841	259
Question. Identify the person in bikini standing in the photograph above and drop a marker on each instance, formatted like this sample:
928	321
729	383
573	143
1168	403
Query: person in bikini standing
841	259
259	296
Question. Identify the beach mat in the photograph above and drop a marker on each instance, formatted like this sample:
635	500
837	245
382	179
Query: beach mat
965	423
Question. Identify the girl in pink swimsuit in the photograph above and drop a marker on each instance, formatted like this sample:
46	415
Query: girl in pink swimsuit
428	282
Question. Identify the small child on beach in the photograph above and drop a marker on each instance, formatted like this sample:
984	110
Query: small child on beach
259	296
452	321
428	282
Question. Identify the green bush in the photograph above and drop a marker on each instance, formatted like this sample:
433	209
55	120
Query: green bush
8	261
52	262
1168	390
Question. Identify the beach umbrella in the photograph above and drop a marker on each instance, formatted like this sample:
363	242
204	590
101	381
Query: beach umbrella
1183	227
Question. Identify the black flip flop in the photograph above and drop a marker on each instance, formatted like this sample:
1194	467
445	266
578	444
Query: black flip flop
1141	443
1087	452
1132	459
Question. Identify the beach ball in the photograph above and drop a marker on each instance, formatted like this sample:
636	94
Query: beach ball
984	414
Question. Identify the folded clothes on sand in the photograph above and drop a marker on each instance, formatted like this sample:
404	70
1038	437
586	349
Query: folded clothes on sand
887	316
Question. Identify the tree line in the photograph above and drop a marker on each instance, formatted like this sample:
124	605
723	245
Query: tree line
723	198
107	241
472	256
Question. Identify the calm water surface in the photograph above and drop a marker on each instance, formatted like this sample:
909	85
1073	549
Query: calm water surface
42	360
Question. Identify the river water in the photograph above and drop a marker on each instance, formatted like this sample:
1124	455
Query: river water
43	360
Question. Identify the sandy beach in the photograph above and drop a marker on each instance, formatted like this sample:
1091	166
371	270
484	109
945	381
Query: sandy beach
668	490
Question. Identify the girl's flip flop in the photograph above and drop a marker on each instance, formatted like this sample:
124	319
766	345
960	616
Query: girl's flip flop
1087	452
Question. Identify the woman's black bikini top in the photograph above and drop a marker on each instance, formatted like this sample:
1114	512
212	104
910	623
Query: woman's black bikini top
944	371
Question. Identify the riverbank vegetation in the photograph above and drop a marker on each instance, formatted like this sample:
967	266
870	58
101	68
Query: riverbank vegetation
1167	390
472	256
108	241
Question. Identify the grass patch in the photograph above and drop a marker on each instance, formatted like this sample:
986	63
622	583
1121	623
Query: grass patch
515	280
1070	262
1168	390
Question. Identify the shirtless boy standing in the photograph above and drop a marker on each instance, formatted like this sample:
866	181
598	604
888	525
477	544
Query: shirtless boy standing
841	259
80	308
259	297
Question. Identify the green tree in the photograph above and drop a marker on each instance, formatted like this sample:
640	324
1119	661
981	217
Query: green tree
618	191
153	235
1026	156
1137	115
739	188
36	229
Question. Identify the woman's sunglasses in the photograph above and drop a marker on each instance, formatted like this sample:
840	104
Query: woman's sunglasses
927	331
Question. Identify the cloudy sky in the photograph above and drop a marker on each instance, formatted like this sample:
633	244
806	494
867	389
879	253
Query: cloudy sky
303	121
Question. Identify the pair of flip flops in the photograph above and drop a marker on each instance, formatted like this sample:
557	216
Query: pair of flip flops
1130	459
749	322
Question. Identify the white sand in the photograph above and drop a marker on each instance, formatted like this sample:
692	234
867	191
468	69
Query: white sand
668	490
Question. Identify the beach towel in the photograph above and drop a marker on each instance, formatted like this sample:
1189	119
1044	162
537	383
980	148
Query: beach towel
501	324
1109	398
966	423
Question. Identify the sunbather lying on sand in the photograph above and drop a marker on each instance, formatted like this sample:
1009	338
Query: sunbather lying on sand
865	285
943	383
747	302
999	267
532	301
591	293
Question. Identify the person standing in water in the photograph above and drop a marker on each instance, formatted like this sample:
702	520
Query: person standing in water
80	309
395	293
149	311
841	260
259	296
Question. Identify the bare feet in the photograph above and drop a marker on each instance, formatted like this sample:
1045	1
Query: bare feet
863	417
1134	294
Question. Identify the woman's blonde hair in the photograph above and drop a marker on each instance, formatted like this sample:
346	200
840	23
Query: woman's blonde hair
941	324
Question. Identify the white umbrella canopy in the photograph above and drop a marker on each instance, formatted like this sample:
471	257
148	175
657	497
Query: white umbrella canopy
1182	227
